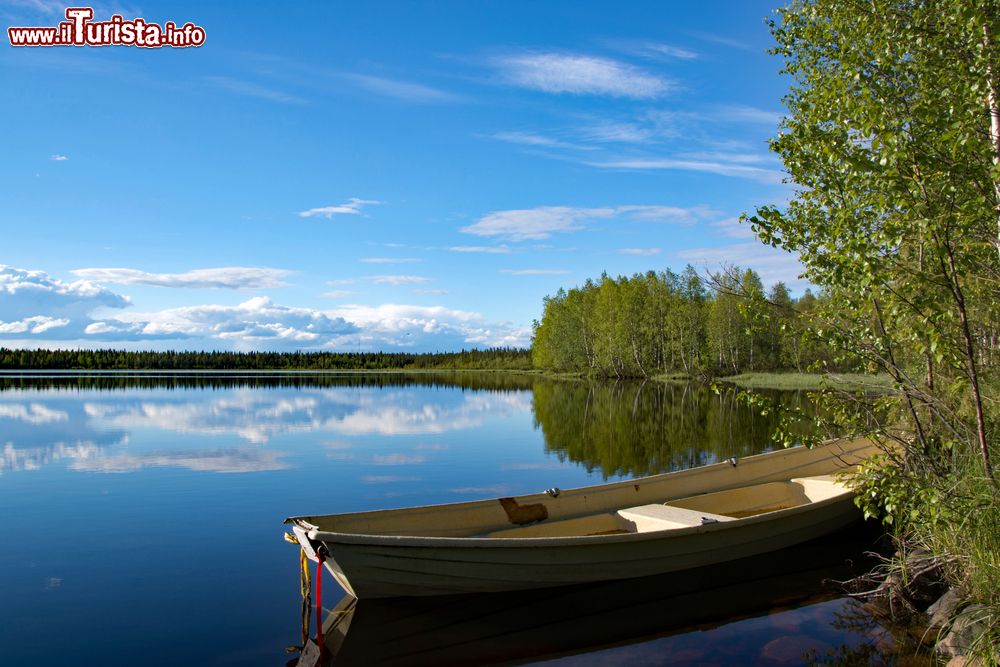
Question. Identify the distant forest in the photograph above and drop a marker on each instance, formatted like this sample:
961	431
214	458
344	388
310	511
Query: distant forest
648	324
656	323
498	358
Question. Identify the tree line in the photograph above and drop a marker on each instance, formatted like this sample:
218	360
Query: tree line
497	358
663	322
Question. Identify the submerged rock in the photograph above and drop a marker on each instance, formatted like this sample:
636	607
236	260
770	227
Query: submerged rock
967	625
943	610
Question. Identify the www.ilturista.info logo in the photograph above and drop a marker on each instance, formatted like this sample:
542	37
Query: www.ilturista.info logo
80	30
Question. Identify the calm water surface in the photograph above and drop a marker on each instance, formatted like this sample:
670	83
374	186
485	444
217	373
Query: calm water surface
142	518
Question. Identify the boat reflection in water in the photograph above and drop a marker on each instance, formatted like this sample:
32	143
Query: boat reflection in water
577	620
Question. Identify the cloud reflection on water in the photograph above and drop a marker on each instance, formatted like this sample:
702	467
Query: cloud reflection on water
223	461
86	429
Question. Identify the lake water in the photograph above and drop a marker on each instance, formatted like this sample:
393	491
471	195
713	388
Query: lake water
142	517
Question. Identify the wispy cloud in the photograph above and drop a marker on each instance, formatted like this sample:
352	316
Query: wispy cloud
760	174
535	272
771	264
534	223
399	280
536	140
58	158
250	89
338	293
488	249
723	40
668	50
617	132
352	206
581	75
747	114
389	260
403	90
726	156
640	252
230	277
733	228
428	292
544	221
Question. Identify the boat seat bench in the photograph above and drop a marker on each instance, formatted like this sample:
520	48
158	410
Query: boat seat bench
660	517
697	510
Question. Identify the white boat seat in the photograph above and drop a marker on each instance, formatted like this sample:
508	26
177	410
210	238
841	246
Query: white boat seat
660	517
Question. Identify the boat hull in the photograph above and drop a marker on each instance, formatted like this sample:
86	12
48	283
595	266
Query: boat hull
379	571
464	555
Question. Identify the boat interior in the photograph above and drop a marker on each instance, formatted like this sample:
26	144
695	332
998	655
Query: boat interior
701	509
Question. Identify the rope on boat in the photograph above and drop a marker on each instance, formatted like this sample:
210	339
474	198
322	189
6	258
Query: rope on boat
305	590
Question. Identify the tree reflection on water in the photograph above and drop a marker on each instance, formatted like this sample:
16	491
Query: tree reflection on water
643	428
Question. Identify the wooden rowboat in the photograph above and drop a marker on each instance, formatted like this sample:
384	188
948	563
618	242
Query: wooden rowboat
622	530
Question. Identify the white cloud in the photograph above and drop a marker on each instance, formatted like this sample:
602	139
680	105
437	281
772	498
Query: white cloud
58	158
535	272
256	320
399	280
640	252
389	260
429	327
578	74
229	277
430	291
493	250
402	90
35	325
544	221
350	207
33	303
34	308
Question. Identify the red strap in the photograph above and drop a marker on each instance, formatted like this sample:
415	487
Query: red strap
319	599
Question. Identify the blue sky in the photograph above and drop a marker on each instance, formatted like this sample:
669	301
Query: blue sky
397	176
